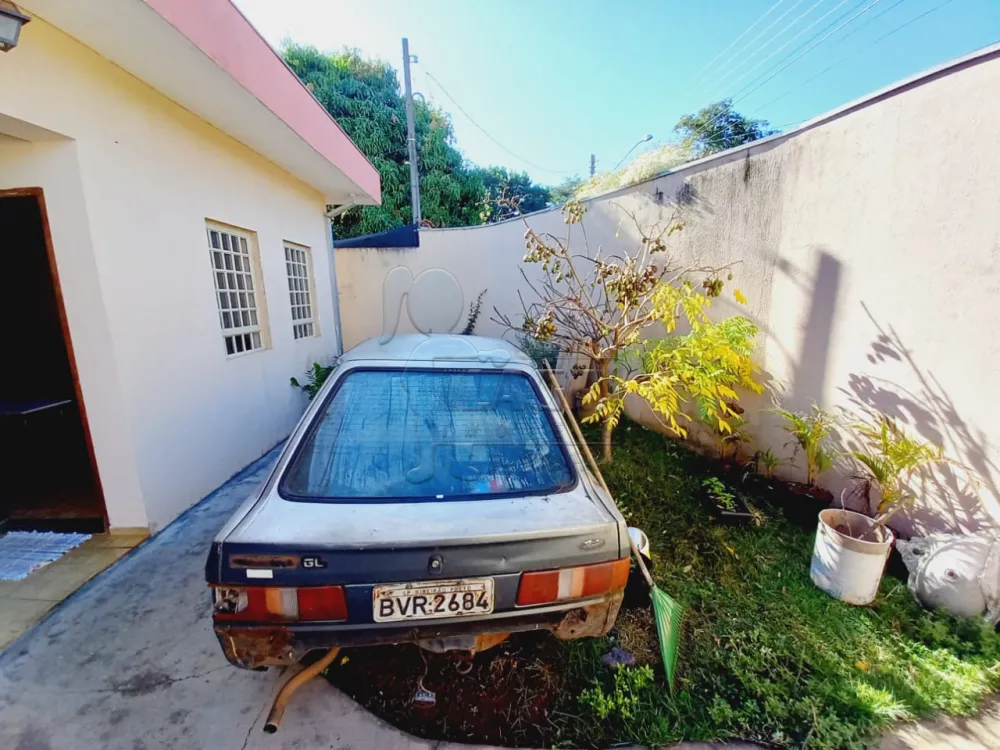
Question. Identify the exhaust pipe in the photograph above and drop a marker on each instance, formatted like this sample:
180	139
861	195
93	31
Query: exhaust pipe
294	683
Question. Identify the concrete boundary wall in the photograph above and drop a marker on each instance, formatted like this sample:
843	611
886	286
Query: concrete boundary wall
868	246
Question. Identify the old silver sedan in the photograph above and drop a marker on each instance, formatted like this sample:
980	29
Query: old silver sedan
430	494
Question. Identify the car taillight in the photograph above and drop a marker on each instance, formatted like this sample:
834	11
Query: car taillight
546	586
280	604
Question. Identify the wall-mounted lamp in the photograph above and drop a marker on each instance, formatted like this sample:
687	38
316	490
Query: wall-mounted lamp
11	21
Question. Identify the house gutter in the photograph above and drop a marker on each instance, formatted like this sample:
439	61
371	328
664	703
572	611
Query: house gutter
330	215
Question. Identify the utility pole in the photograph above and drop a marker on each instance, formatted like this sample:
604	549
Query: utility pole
411	135
593	165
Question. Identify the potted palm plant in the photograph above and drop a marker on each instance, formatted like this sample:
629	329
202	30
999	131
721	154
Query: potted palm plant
767	462
851	548
809	431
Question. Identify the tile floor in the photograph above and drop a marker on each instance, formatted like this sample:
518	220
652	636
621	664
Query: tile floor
24	603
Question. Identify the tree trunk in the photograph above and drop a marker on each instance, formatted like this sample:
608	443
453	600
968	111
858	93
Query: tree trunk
606	442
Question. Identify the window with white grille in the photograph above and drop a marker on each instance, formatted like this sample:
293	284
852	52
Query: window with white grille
300	290
236	273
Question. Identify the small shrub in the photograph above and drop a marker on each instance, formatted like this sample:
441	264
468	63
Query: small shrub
888	458
474	309
624	700
315	377
809	431
728	442
718	491
767	462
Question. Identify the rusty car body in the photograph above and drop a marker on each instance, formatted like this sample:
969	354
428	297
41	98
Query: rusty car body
434	471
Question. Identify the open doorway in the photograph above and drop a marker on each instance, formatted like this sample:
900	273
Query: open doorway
50	481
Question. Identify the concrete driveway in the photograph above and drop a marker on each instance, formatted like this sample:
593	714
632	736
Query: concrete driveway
130	662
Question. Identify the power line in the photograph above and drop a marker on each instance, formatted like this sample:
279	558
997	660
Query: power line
725	65
809	49
487	134
711	122
742	95
916	18
814	37
878	39
742	63
848	56
725	49
800	33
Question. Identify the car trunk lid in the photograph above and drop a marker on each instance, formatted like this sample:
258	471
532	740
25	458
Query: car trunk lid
315	542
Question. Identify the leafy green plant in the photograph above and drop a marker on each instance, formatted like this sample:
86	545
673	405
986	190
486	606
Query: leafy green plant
474	309
703	367
315	377
888	458
728	442
767	462
718	491
541	352
622	703
810	430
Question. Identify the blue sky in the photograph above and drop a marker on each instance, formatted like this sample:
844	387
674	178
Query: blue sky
556	80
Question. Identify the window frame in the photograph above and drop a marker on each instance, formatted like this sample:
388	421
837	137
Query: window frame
262	328
310	282
305	437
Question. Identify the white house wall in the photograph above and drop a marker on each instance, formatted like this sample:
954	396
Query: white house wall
53	166
151	174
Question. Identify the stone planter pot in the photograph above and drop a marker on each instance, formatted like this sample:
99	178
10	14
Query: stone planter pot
849	556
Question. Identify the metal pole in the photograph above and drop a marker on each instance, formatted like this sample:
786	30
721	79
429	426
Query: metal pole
593	164
411	136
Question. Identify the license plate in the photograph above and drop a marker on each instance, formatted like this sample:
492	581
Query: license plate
393	602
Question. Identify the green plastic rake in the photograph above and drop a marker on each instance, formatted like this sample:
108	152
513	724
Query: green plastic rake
667	611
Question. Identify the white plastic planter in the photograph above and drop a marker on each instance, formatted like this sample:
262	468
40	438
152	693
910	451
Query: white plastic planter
849	569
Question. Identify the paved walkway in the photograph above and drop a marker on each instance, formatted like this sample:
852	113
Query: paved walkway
129	662
973	733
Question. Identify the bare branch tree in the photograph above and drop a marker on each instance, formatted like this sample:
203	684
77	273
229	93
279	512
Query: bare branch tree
598	306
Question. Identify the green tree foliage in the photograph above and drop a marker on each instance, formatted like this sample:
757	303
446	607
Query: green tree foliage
718	127
510	193
566	190
364	97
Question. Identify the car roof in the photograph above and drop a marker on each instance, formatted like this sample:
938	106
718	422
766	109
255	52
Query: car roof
411	347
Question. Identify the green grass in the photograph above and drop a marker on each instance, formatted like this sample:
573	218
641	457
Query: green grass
765	655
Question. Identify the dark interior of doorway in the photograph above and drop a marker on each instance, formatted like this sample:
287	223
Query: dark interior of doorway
49	482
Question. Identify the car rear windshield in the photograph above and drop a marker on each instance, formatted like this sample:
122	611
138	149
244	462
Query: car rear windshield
387	434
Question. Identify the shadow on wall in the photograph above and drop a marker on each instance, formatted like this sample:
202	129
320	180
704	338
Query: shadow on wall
964	495
809	378
806	383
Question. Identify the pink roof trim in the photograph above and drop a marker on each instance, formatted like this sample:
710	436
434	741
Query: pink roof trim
219	30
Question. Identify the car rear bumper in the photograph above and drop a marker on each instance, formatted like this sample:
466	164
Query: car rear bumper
253	646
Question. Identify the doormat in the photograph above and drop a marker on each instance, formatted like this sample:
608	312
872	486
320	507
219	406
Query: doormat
22	552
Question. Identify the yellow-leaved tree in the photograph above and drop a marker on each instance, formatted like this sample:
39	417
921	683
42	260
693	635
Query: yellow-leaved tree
603	306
